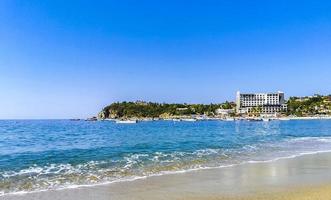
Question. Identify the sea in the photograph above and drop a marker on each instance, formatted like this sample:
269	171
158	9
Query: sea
38	155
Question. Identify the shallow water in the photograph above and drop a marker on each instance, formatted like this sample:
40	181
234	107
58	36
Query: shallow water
50	154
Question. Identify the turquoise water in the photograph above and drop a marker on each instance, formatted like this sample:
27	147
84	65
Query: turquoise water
51	154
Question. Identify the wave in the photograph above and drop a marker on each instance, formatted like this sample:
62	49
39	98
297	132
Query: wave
142	165
128	179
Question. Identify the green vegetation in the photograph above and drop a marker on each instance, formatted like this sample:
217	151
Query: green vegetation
297	106
256	111
141	109
308	106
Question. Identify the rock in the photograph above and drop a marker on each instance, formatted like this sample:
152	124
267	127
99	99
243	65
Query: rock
102	115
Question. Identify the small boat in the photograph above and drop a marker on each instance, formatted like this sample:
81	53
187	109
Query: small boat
254	119
284	119
147	119
229	119
176	120
189	120
91	119
109	119
266	119
126	121
201	118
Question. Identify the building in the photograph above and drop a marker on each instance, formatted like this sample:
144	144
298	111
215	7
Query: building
224	112
263	103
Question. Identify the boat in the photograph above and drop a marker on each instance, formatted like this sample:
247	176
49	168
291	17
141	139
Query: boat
108	119
189	120
200	118
284	119
147	119
229	119
126	121
176	120
254	119
91	119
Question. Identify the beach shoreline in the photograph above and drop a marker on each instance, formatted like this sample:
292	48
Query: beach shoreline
245	181
217	118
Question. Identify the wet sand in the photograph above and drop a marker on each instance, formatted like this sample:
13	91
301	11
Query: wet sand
304	177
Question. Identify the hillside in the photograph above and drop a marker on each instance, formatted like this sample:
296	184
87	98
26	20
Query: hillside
140	109
308	106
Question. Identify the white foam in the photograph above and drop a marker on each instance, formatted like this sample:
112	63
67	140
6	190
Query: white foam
73	186
251	154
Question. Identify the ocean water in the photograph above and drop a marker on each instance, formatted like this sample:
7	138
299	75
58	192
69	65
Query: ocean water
53	154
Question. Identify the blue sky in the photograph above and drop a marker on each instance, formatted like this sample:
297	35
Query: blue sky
63	59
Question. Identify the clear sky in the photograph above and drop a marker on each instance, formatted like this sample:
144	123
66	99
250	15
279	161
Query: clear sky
63	59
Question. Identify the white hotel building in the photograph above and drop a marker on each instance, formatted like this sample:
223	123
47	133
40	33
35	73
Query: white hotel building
265	103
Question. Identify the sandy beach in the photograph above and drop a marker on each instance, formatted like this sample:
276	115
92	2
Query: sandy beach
165	100
303	177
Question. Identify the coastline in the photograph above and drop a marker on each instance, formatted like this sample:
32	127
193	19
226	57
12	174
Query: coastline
245	181
193	119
